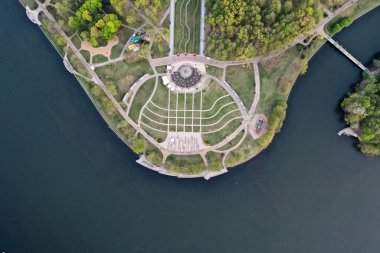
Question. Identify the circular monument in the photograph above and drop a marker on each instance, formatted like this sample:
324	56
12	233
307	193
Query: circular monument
186	76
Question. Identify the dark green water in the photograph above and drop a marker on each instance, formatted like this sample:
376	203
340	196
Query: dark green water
67	184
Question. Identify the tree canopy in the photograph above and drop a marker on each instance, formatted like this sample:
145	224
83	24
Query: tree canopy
362	113
246	28
93	24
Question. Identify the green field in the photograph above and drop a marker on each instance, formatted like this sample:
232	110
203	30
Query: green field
187	38
123	74
140	98
211	112
160	47
242	80
214	71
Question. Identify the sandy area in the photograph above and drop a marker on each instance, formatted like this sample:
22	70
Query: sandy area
105	51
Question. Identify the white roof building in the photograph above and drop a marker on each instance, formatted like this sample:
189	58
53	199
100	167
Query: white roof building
165	80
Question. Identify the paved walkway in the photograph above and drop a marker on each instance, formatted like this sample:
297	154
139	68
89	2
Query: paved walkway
172	25
202	29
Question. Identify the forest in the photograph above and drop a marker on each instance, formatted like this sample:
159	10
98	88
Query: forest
243	28
98	21
362	113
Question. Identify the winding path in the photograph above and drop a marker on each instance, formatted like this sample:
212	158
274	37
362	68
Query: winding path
247	116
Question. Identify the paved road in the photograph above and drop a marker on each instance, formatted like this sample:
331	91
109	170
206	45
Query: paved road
257	88
202	29
172	23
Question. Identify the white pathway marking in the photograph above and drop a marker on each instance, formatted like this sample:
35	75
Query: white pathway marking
121	111
176	115
194	22
182	124
165	109
148	101
217	130
202	29
158	130
200	113
172	22
184	115
345	52
191	117
168	110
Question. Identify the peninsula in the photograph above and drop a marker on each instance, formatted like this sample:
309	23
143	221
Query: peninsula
192	86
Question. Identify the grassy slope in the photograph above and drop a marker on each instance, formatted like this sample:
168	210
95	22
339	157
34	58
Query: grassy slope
214	71
193	23
123	74
140	98
242	80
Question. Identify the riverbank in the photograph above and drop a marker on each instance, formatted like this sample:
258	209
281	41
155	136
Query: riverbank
280	85
279	75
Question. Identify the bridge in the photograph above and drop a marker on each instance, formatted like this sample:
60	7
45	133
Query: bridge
345	52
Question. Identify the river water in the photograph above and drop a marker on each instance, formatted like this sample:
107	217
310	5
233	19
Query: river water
67	184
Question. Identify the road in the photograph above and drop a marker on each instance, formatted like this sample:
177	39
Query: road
202	29
172	23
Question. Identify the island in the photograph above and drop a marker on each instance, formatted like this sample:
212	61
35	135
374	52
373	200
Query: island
362	111
194	87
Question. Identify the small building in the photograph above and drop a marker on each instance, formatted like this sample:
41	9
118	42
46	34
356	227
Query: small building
165	80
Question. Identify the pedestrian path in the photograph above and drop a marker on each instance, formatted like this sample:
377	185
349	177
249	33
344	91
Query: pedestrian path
345	52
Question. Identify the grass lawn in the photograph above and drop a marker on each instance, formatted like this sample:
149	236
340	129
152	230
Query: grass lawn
31	3
214	161
218	136
242	80
244	152
86	55
160	98
214	71
155	18
140	98
161	69
76	63
51	32
160	47
123	74
77	41
123	34
99	58
193	22
185	164
218	123
279	73
232	143
334	4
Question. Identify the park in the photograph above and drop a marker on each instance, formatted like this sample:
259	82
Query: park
186	110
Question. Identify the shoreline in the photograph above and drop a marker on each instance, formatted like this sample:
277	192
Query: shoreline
183	175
